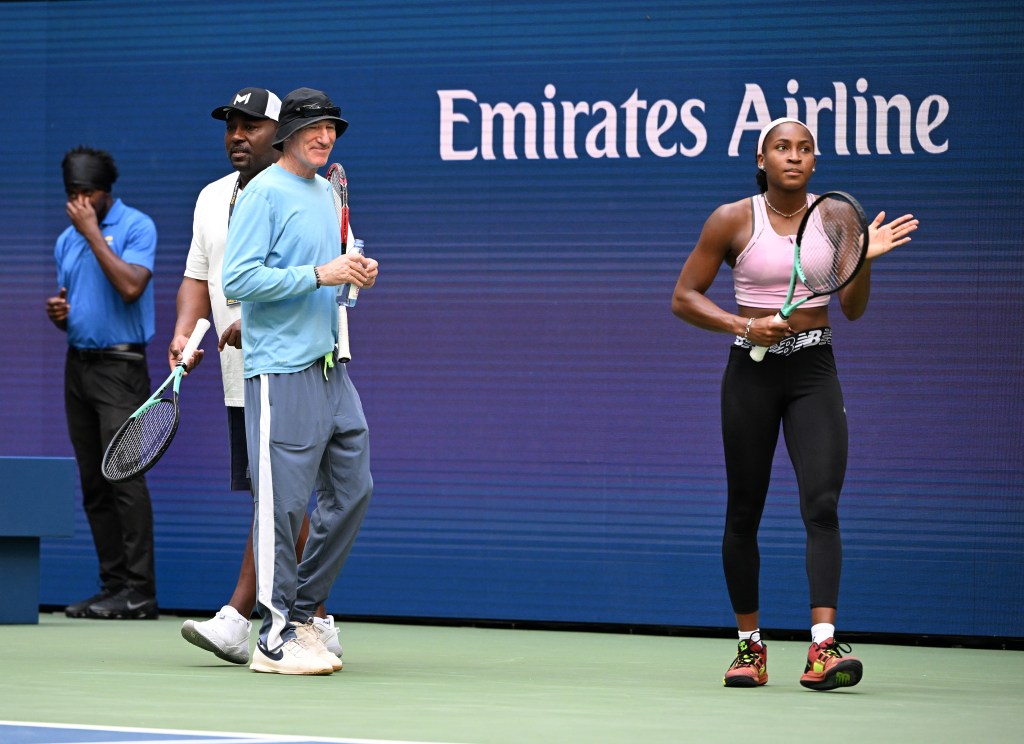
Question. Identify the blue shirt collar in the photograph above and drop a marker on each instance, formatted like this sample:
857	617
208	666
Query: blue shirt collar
115	214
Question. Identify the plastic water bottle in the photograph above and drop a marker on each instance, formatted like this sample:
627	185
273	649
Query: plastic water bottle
349	293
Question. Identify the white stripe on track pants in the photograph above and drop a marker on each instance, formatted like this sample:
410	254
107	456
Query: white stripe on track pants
304	430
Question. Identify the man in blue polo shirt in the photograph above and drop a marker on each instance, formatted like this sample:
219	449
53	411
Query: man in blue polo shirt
105	304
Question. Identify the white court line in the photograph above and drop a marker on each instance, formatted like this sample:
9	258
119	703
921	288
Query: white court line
209	737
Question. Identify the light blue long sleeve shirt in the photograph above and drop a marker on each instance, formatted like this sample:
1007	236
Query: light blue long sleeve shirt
282	226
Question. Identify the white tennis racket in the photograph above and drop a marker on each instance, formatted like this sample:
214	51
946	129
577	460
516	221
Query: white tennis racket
339	189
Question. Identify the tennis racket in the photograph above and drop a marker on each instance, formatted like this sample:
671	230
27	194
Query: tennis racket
148	432
831	245
339	189
339	185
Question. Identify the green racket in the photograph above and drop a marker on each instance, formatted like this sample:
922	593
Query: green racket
146	435
831	245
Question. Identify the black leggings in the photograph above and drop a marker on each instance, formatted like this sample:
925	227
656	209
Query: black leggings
802	392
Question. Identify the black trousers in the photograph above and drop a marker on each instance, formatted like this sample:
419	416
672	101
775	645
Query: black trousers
800	392
99	395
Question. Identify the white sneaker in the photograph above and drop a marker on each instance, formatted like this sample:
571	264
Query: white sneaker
290	658
226	635
309	637
328	632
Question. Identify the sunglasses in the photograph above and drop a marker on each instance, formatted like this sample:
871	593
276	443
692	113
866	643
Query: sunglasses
311	110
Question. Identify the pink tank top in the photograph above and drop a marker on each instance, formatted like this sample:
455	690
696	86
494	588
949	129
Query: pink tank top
762	271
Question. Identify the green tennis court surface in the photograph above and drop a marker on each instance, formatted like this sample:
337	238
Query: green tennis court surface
21	732
486	686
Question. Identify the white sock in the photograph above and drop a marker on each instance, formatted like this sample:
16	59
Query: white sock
754	636
821	632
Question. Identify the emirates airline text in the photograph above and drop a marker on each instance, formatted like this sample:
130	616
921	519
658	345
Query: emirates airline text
849	123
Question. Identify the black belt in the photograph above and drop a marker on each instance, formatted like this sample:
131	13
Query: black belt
121	352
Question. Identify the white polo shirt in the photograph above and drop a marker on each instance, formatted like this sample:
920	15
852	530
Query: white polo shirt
205	262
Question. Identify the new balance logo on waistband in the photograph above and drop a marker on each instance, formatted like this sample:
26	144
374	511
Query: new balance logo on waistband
790	344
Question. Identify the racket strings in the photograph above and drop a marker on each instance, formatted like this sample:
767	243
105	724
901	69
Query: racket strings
831	249
339	190
142	440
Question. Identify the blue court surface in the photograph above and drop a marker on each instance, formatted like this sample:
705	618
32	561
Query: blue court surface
27	732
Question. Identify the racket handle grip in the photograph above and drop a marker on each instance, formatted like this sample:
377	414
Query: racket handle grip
202	326
344	349
758	352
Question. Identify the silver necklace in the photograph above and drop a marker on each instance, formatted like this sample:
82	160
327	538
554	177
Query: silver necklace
783	214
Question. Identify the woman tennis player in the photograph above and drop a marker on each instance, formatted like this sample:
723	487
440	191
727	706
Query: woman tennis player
796	385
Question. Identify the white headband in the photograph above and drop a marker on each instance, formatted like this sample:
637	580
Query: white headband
772	124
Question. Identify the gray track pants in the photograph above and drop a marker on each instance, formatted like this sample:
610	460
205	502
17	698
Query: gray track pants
304	429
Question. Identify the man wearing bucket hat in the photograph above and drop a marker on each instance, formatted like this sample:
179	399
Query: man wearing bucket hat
282	261
251	125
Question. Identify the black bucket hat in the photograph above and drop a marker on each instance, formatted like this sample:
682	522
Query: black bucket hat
303	107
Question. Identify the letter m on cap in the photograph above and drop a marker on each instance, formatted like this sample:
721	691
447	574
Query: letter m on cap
242	99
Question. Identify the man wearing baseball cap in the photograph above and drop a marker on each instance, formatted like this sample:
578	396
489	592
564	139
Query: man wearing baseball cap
256	103
251	119
282	261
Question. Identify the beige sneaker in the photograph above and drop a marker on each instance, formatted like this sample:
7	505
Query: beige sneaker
328	632
309	637
291	658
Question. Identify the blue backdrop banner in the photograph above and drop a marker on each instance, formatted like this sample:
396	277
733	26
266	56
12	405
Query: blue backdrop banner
531	177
